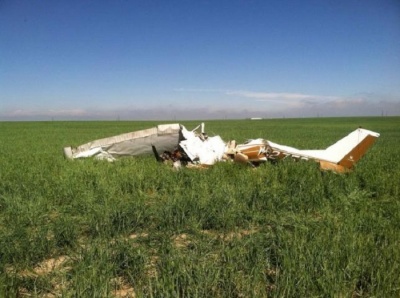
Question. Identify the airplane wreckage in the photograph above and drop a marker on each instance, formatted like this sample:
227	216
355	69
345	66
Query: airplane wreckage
175	144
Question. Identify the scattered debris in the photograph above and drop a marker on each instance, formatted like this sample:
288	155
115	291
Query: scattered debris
181	147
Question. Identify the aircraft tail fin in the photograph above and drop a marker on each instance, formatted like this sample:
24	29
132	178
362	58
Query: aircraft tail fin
349	150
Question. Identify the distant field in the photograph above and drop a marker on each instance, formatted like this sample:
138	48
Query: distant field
88	228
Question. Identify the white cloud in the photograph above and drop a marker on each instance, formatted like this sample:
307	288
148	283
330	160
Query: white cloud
50	112
198	90
265	104
268	96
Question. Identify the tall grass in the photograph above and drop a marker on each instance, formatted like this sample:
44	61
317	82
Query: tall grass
95	229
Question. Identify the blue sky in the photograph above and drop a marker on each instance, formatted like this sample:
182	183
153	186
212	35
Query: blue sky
135	60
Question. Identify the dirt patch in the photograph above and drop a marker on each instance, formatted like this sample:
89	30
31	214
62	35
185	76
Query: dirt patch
128	292
151	267
238	234
123	290
50	265
43	268
139	235
181	240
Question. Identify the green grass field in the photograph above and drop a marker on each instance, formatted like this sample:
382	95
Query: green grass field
88	228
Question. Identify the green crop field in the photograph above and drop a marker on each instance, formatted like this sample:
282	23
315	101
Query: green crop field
136	228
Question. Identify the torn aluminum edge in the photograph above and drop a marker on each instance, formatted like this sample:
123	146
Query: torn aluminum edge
165	137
